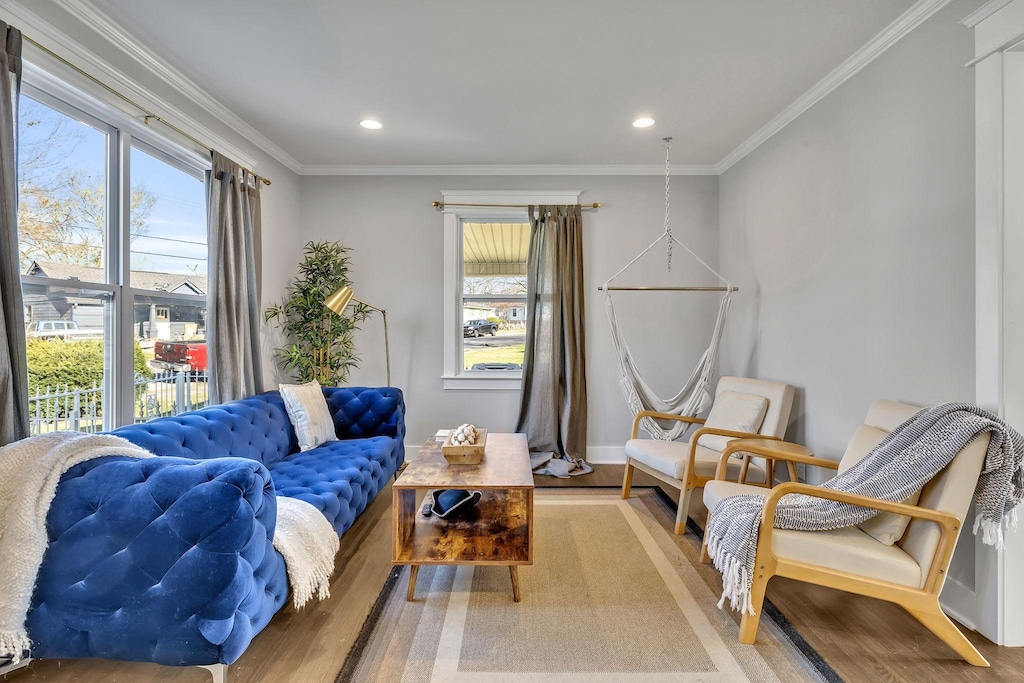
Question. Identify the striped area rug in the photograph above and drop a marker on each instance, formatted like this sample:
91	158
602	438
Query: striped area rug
613	596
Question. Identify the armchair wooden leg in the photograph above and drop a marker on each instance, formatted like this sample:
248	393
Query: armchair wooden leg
936	621
684	507
705	556
627	479
749	624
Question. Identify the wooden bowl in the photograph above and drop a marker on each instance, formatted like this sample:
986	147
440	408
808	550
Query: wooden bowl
464	454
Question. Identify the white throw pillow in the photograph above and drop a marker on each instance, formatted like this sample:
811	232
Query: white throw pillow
736	412
307	409
887	527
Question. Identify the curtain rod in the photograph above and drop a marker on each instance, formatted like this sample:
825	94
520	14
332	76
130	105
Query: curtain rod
668	289
147	114
441	205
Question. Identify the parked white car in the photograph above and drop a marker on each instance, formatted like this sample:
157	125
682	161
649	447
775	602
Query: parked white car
61	329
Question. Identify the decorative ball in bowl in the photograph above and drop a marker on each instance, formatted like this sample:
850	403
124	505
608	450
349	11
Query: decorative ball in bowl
465	445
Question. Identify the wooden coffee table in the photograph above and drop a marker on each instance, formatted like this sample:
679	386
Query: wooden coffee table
500	531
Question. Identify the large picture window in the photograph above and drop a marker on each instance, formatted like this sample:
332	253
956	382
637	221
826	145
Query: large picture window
115	309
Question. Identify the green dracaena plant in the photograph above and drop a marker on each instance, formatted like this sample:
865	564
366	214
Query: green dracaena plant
320	342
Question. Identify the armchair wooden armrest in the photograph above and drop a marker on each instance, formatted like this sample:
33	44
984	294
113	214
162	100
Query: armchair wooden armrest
705	431
662	416
781	450
949	524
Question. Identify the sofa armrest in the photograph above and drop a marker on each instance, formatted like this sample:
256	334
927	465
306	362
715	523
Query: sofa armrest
163	559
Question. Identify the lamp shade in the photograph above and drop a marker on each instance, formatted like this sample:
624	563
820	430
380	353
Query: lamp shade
338	301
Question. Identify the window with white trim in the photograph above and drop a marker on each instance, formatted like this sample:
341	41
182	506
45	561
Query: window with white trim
486	285
113	249
493	289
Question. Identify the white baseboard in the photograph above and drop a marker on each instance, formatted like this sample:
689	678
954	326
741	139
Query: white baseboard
606	455
958	601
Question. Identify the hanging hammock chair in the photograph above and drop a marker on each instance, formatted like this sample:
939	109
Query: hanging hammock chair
695	396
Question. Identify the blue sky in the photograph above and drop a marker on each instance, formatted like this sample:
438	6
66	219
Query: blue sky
174	238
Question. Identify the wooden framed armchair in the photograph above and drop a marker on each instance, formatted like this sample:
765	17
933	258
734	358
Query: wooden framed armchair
901	556
689	465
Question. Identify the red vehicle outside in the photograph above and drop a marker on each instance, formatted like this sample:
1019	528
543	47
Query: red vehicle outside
183	356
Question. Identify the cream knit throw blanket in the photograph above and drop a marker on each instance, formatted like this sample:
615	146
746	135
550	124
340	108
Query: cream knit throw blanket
29	473
308	543
906	459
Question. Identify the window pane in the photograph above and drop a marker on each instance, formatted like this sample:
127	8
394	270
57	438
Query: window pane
494	335
494	258
172	339
494	264
168	227
68	359
62	201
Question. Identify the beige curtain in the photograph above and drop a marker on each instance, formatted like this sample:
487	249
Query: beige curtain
13	365
553	408
233	319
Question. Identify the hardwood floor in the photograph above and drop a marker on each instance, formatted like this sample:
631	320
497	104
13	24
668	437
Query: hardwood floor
862	639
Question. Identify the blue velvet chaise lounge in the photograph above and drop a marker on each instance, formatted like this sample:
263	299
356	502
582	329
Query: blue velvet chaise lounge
170	559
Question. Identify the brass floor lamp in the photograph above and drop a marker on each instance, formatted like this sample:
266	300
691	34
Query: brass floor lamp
339	301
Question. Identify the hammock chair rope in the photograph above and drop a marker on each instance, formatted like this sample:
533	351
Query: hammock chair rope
695	396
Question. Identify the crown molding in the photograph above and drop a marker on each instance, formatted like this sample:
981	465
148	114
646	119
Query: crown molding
508	170
103	25
920	12
54	39
984	12
95	19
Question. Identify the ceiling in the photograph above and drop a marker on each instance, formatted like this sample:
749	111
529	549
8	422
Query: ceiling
524	82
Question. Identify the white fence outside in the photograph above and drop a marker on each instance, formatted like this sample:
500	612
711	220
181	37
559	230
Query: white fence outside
81	409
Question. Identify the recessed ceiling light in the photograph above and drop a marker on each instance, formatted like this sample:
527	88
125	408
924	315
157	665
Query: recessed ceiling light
643	122
374	124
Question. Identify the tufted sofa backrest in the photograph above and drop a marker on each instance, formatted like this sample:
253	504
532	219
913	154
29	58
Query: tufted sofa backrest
363	412
256	428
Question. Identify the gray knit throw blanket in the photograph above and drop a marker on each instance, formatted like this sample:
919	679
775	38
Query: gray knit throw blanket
907	459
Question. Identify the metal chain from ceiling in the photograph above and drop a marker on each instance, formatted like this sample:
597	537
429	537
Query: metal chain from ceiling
668	220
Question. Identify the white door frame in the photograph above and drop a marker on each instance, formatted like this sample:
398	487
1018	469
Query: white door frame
999	238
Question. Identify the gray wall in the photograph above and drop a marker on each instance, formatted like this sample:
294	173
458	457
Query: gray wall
851	233
397	241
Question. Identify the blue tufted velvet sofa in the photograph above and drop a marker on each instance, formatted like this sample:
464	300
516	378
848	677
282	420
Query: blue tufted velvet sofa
170	559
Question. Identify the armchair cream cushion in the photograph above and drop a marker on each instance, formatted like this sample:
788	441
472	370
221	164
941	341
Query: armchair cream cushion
671	458
849	549
734	411
886	527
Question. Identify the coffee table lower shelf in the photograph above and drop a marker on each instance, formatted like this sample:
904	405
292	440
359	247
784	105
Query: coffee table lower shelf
498	532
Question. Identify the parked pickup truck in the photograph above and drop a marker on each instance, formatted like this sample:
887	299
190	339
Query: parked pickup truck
61	329
476	328
180	356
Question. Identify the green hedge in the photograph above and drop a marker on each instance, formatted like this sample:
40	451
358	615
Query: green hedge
54	364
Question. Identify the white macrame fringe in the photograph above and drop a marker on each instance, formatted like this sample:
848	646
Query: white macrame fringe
14	644
993	532
308	544
317	583
735	579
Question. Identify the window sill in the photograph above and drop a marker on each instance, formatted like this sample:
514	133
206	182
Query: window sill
487	381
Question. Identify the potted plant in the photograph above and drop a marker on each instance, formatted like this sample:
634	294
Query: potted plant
321	345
